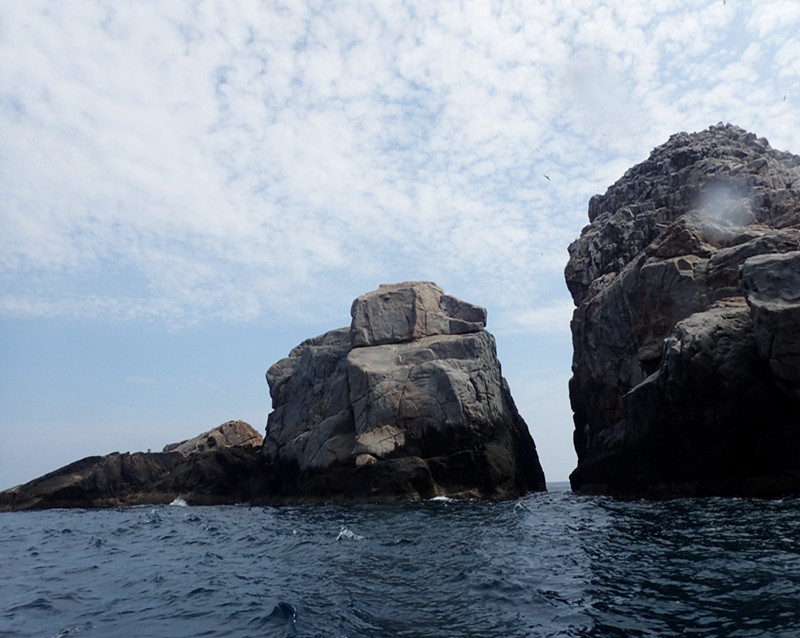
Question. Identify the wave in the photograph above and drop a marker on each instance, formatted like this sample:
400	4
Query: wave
74	630
280	622
346	534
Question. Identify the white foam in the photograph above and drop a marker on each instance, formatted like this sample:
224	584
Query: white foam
346	534
179	502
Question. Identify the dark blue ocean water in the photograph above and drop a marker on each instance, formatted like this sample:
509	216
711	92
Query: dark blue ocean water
554	564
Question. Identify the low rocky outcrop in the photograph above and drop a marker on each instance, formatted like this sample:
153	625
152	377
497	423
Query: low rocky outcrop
223	472
407	403
229	434
686	332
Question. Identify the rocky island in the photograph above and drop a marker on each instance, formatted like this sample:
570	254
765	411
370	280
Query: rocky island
686	332
408	402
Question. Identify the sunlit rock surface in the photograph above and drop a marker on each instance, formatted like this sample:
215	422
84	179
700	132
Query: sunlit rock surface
407	403
686	333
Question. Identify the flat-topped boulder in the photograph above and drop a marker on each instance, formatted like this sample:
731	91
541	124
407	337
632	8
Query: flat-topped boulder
395	313
407	403
686	332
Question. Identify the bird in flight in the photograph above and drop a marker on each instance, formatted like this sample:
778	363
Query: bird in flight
547	178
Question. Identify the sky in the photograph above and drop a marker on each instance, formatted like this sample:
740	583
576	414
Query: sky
190	189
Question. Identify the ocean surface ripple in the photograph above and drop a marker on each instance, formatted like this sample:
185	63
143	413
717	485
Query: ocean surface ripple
554	564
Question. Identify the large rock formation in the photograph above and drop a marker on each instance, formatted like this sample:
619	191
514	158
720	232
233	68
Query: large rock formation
227	471
686	331
408	402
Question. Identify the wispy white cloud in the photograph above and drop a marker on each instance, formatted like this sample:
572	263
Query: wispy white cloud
239	161
545	320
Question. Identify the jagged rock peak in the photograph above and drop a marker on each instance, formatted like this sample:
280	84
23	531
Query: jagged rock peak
722	178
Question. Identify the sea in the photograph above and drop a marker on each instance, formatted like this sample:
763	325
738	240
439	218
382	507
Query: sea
548	564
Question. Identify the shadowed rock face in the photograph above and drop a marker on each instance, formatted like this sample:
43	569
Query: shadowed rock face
686	331
408	402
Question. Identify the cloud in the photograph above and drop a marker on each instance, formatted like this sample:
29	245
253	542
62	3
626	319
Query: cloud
775	18
186	163
548	320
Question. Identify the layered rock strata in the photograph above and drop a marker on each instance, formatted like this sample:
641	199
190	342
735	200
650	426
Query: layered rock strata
407	403
686	332
225	472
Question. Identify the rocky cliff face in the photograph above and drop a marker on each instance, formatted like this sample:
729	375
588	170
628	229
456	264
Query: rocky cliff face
686	331
408	402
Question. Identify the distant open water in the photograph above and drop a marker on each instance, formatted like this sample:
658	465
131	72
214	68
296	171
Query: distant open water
554	564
